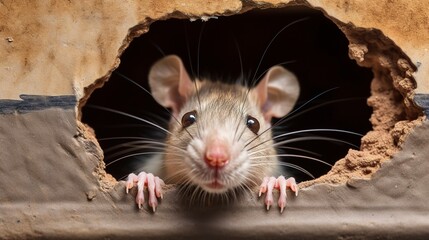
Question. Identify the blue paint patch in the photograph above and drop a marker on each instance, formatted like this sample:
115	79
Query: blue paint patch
31	103
422	100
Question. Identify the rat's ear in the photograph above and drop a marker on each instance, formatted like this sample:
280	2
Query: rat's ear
170	83
277	92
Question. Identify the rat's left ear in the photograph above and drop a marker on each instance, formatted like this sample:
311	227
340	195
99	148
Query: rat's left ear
170	84
277	92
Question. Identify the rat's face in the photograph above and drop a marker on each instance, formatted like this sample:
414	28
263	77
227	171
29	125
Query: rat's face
222	142
220	137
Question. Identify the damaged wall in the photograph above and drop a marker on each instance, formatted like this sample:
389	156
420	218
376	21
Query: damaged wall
52	178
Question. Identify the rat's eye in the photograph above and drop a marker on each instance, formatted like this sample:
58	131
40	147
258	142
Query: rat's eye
253	124
189	118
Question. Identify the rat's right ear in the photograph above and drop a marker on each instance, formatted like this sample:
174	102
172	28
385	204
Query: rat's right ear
277	92
170	83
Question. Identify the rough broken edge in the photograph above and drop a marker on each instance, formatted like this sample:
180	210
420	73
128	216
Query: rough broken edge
392	95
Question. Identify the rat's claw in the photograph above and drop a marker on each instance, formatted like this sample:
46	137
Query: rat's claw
263	187
154	187
153	202
140	187
291	183
158	187
280	183
131	180
269	195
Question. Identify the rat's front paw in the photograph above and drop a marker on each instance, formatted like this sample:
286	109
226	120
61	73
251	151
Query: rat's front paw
154	186
280	183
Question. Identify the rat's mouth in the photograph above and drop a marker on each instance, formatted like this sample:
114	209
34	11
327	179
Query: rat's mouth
215	183
214	186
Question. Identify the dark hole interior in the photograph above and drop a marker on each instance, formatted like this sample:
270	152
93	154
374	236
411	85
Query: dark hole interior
315	49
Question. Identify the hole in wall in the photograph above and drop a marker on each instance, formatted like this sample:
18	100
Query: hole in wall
315	49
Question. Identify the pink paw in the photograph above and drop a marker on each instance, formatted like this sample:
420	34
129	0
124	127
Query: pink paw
280	183
154	186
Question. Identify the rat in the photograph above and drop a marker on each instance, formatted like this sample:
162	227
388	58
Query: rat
219	137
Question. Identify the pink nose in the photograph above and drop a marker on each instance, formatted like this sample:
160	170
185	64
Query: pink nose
216	154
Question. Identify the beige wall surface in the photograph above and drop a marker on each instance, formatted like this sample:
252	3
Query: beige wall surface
52	179
61	47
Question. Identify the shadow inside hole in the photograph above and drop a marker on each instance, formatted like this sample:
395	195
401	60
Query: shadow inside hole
317	52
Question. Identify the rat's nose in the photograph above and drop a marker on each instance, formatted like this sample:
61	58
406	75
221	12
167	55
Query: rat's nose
217	153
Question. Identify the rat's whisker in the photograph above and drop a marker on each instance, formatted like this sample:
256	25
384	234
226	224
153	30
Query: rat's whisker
315	138
180	172
252	153
142	144
318	130
242	132
272	40
239	120
134	149
294	113
129	125
321	105
195	194
138	149
150	94
130	116
130	138
294	156
240	59
301	169
253	173
280	63
246	187
285	164
198	50
132	155
288	115
157	48
175	176
311	138
239	117
299	150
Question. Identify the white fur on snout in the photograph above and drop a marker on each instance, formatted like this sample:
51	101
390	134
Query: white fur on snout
230	176
195	150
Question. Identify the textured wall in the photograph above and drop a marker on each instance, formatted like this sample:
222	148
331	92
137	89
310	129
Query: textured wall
51	175
46	56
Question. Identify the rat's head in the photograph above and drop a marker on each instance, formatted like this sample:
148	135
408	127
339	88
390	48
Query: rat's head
221	138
